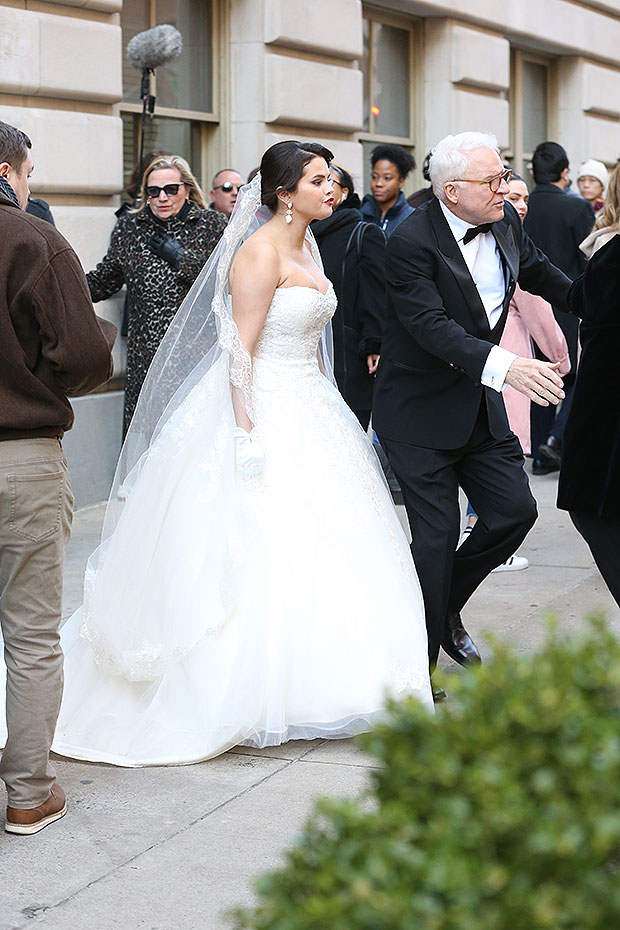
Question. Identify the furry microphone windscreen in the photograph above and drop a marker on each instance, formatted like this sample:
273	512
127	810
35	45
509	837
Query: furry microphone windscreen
154	47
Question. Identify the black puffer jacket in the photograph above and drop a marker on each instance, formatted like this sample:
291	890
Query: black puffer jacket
155	288
359	283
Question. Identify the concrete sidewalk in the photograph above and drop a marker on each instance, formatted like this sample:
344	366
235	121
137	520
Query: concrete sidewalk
174	848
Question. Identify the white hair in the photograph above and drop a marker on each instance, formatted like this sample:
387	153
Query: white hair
448	160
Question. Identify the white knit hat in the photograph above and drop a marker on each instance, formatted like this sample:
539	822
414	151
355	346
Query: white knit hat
594	169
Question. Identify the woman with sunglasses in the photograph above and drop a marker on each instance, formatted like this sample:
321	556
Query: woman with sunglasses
157	251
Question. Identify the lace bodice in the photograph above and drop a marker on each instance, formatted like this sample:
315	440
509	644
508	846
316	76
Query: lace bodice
296	318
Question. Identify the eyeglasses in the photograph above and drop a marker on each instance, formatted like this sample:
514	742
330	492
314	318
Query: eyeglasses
494	183
227	187
169	190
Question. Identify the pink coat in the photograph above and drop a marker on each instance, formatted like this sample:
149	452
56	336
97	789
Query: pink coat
530	318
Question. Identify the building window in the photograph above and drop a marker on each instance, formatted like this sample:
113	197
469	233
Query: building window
185	89
179	136
388	68
530	94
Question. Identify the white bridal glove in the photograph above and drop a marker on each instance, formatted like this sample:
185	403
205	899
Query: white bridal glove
249	454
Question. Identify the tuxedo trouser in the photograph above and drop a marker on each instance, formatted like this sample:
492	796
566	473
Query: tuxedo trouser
491	473
603	539
35	523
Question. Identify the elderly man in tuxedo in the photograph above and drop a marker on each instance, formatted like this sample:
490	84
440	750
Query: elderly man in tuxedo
451	269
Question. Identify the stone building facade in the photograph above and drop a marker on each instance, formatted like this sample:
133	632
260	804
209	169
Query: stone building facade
253	72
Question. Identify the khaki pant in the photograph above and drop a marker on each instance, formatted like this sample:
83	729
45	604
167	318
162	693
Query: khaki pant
35	524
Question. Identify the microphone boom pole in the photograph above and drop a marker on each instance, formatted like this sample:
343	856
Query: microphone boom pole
148	109
146	52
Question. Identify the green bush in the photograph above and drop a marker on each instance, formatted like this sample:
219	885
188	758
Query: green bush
500	813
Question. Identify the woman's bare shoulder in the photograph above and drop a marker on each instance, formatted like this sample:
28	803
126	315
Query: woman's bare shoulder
260	245
259	257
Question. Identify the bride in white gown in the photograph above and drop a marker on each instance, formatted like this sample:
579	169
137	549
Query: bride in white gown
254	584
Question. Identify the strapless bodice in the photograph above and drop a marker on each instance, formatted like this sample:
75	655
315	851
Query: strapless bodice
296	318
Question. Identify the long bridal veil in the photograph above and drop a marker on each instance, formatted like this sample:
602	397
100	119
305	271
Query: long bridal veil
199	362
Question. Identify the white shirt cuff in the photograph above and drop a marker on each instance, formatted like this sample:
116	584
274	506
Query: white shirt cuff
496	368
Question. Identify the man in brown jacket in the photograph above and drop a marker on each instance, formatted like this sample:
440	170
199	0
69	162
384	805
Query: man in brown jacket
51	346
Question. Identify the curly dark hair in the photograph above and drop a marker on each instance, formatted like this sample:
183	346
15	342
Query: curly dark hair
404	161
282	166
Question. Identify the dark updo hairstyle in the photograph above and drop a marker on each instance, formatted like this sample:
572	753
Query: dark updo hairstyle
282	167
396	154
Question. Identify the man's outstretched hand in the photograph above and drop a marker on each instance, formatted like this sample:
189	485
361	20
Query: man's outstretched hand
538	380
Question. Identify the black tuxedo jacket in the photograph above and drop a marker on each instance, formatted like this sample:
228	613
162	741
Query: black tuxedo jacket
436	337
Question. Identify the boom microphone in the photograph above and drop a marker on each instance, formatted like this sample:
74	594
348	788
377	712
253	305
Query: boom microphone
147	51
154	47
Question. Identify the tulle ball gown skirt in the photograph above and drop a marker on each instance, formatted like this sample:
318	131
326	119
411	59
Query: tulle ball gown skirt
221	612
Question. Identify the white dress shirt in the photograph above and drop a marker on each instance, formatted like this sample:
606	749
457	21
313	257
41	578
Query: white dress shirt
485	266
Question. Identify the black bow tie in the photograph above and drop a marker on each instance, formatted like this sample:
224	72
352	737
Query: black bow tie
476	230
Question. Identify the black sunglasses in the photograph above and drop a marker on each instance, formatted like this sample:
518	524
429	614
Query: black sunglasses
227	187
169	190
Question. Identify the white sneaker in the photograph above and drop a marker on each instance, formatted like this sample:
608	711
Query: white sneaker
516	563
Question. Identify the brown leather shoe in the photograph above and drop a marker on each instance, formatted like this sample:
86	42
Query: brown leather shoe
31	821
457	642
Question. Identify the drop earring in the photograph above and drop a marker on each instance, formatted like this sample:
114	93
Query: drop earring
289	213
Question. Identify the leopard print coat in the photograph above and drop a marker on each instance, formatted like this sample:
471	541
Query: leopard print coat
155	290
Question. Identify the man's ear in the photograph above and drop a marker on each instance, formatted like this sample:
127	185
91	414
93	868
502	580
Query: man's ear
451	191
5	169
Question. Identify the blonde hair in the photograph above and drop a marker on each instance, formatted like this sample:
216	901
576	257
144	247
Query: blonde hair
609	214
185	173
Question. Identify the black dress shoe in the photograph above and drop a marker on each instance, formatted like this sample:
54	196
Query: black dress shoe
544	466
551	451
458	643
439	694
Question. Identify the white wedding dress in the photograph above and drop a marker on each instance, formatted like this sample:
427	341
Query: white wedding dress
225	612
